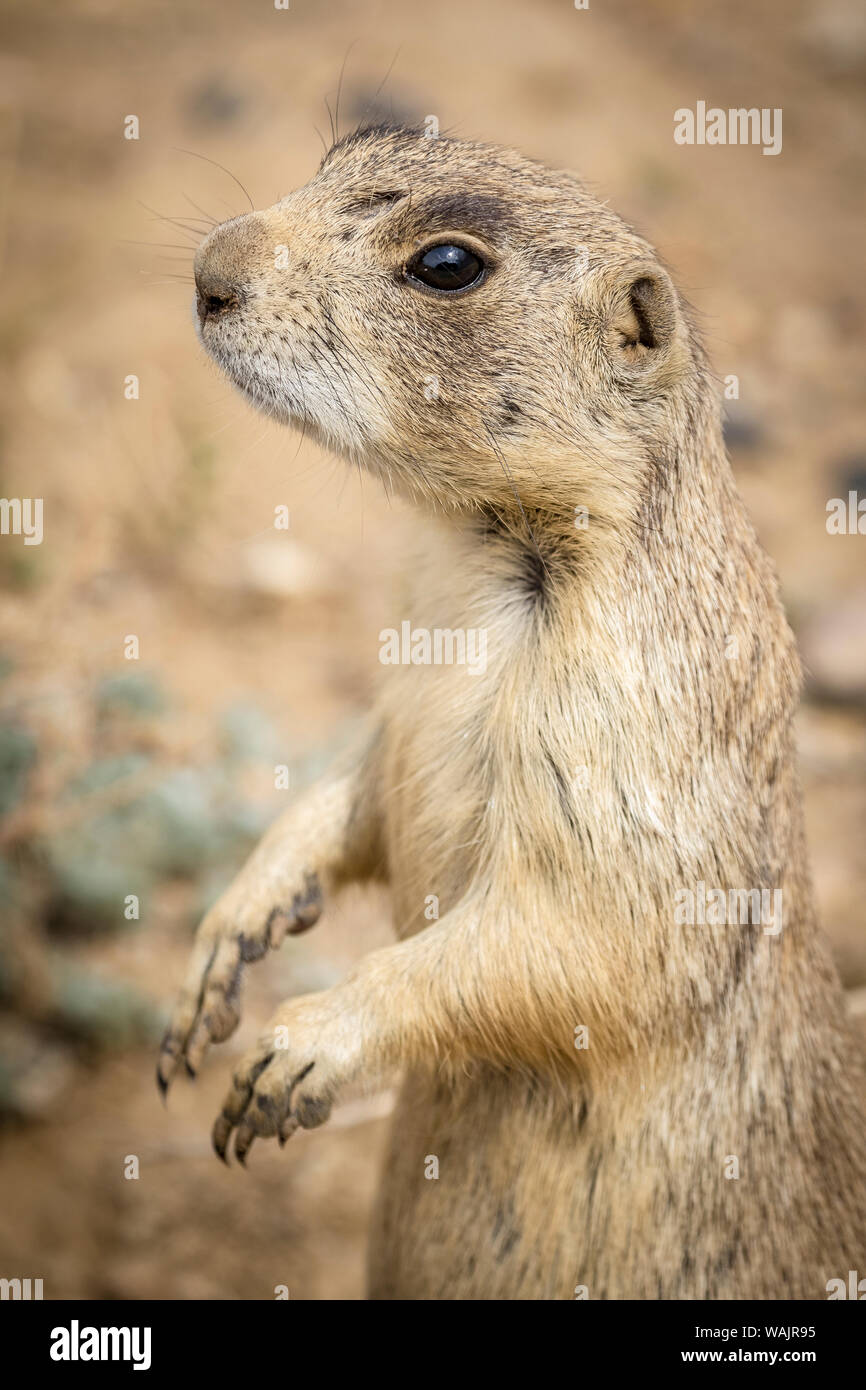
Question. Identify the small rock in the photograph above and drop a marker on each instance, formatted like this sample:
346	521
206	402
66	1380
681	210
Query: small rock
282	568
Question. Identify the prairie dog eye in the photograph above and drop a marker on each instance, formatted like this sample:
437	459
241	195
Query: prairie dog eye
446	267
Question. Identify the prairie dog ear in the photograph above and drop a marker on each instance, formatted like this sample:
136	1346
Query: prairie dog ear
646	324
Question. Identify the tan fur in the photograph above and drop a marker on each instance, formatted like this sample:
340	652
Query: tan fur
612	754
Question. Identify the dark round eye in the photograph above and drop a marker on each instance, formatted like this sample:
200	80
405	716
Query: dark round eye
446	268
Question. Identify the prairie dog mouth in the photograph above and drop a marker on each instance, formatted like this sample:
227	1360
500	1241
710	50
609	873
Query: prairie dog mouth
278	371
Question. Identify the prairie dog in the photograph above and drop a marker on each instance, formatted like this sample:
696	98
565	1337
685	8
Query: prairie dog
623	1099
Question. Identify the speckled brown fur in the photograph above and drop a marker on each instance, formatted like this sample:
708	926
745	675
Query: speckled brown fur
630	737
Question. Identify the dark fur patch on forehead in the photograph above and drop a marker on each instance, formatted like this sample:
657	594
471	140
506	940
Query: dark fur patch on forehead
482	213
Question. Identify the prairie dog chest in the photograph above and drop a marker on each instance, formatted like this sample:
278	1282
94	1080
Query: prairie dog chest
454	670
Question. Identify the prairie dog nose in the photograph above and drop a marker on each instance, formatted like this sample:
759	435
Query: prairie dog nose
213	295
223	266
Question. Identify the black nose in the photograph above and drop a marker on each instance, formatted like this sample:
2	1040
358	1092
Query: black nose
214	295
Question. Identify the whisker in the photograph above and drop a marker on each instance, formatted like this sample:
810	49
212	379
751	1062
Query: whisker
191	223
331	120
160	245
217	165
207	217
324	363
375	97
172	221
340	88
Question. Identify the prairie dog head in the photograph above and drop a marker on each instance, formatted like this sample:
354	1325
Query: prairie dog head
465	323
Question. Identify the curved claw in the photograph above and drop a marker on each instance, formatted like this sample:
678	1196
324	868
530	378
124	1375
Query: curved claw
166	1064
244	1139
161	1082
290	1124
220	1136
209	1007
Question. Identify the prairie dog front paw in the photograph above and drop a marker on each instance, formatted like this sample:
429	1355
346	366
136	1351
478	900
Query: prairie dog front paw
291	1079
252	917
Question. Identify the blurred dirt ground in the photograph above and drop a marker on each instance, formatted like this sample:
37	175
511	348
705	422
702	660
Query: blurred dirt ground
153	777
